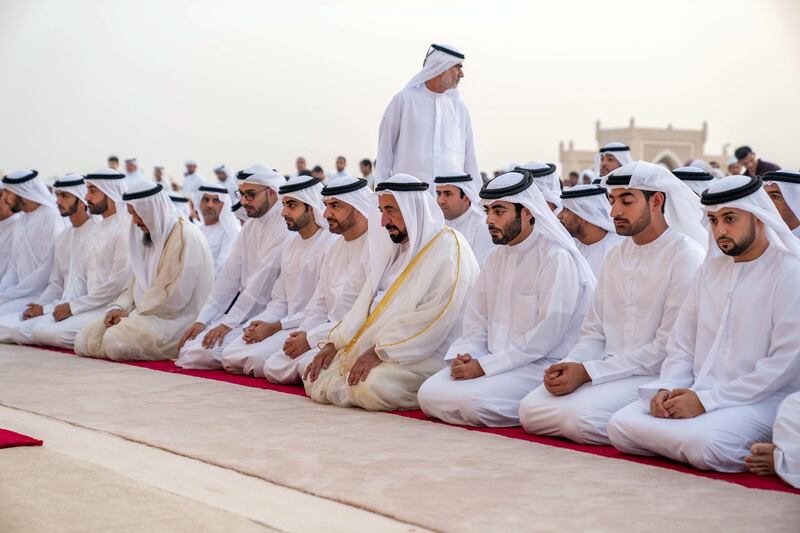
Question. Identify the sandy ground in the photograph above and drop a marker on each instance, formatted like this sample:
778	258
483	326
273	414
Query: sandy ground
324	468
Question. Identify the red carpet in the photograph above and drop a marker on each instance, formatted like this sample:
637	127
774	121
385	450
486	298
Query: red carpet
10	439
744	479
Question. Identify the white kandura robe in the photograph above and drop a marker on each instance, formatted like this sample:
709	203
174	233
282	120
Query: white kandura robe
219	243
741	368
472	225
786	436
623	338
158	317
523	315
418	323
301	263
342	275
32	251
251	271
7	227
596	253
425	134
67	281
191	184
107	274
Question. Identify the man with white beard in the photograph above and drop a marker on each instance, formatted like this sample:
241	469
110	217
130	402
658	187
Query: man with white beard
348	204
586	214
32	247
301	261
426	130
107	266
8	223
68	276
220	227
459	199
248	276
408	311
732	356
783	187
522	316
172	275
643	282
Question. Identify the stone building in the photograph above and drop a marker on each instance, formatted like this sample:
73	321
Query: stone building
670	146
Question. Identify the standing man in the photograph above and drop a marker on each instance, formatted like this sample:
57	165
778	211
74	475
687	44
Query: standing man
366	171
341	164
227	178
8	222
132	172
113	162
191	179
753	166
426	130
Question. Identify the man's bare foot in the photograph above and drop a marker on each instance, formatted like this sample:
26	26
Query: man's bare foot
761	460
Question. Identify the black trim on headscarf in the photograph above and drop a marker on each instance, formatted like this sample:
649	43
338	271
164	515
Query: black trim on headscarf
495	194
620	179
179	199
23	179
401	187
294	187
581	193
622	148
781	175
692	176
128	196
360	183
67	183
104	176
452	179
723	197
536	172
213	189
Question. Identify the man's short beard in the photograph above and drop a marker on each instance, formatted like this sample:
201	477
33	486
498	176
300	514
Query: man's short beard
509	232
16	207
299	223
344	225
637	226
261	211
147	240
399	237
211	218
99	208
747	241
69	211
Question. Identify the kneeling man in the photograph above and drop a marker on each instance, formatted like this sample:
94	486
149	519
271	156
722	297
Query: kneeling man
172	275
400	326
523	315
733	353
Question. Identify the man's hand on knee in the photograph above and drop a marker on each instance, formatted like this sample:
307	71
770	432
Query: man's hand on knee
215	336
322	360
62	312
362	367
296	345
657	408
190	334
684	403
113	317
465	367
564	378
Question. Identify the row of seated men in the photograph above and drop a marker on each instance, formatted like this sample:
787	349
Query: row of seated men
375	300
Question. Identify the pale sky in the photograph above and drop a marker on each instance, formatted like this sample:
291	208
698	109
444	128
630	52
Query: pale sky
242	82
